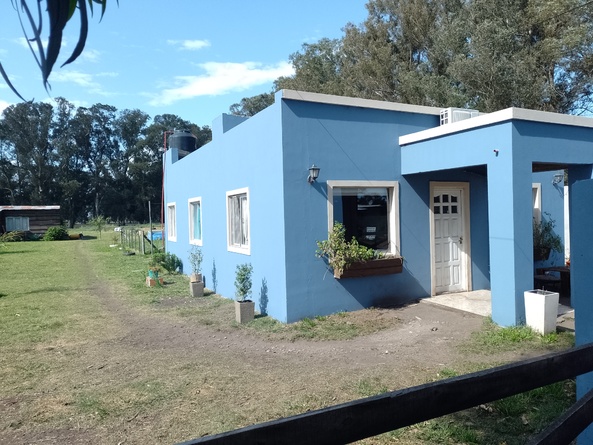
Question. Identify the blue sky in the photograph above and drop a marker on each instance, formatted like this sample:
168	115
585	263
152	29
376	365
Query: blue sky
193	58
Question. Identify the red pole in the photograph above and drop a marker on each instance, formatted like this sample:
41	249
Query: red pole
163	185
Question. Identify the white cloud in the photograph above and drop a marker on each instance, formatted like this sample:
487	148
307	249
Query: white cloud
90	55
23	42
4	105
190	45
221	78
108	74
76	77
83	80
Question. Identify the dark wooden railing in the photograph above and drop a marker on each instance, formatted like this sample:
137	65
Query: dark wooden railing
371	416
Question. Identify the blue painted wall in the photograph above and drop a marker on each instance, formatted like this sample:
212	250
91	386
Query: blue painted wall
347	143
581	194
247	155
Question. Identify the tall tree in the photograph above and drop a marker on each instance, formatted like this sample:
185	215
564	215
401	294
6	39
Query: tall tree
27	135
250	106
74	179
318	68
95	135
123	198
531	54
485	54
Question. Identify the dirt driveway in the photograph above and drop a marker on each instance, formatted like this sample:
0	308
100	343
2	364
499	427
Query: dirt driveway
153	376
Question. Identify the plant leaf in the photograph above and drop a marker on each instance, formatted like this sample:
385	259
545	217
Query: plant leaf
10	85
84	28
57	11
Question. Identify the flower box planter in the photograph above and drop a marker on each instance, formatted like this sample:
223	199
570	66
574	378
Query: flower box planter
244	311
382	266
541	310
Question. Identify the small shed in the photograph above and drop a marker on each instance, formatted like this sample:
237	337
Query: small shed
34	219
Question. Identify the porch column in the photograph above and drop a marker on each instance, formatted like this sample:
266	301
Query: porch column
511	241
581	261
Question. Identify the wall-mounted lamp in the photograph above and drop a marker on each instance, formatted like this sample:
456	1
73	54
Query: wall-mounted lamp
313	174
558	178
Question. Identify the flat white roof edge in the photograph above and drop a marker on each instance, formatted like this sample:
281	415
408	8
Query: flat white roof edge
9	207
495	118
358	102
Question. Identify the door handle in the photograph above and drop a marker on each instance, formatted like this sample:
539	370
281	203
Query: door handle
460	240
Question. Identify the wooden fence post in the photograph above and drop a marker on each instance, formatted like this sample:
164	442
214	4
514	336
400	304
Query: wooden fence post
141	239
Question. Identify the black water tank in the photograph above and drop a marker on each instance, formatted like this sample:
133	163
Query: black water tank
183	140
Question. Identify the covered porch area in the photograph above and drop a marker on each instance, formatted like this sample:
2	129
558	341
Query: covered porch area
514	147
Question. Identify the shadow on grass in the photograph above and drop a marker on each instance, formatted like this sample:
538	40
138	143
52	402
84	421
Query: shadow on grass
53	289
3	295
6	252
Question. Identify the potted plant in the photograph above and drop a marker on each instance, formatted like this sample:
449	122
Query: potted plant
541	310
195	260
545	239
244	307
351	259
196	281
152	278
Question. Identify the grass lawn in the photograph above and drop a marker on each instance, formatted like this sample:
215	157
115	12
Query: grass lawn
89	354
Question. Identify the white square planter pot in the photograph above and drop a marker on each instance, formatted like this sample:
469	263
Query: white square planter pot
244	311
196	288
541	310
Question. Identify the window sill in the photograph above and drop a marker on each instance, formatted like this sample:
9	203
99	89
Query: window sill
383	266
242	250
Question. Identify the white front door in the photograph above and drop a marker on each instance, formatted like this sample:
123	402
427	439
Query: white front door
448	233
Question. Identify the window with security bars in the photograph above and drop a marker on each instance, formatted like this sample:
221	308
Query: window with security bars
238	221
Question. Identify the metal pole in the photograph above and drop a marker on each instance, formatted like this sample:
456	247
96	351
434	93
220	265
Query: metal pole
150	222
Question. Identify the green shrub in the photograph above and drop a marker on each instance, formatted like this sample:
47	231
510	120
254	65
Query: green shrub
56	233
340	254
16	235
168	261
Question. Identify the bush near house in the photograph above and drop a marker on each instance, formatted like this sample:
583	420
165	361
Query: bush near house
56	233
168	261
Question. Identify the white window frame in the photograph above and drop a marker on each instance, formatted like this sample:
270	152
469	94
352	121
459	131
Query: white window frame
172	221
190	203
17	223
244	249
392	207
536	197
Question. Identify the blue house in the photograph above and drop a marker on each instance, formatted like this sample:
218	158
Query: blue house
453	192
